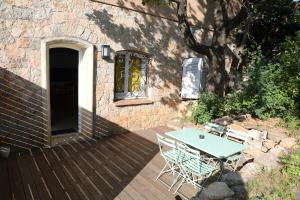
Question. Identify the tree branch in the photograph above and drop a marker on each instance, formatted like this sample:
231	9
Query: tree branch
238	19
185	28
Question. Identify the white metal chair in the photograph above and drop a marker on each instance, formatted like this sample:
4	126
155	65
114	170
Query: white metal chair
240	136
233	161
168	150
193	169
215	128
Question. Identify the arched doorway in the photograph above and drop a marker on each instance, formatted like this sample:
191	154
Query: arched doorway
66	51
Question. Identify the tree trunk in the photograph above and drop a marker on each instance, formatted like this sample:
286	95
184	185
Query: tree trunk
217	78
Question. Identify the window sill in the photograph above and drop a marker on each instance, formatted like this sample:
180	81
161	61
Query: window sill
132	102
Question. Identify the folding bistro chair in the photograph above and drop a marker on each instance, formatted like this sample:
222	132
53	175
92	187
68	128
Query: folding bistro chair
233	161
193	169
168	150
215	128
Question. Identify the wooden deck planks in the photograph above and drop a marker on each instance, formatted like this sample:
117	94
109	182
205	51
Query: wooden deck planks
27	179
42	188
4	180
121	167
15	180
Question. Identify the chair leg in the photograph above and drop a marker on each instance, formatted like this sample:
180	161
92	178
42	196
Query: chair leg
180	184
162	171
174	182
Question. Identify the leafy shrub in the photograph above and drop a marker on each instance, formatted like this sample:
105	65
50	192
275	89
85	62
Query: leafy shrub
292	163
209	106
271	88
289	71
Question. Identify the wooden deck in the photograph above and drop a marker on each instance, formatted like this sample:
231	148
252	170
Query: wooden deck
121	167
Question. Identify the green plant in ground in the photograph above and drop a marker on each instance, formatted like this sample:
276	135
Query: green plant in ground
292	124
278	184
209	106
292	163
271	88
262	92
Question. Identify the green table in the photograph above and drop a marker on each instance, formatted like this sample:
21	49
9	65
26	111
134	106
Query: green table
216	146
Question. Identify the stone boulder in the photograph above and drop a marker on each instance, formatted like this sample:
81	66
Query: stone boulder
232	179
215	191
288	143
224	121
240	192
269	144
250	170
276	134
240	118
257	135
238	128
245	158
268	161
278	151
252	151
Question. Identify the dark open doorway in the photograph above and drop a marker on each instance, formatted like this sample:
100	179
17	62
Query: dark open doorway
64	90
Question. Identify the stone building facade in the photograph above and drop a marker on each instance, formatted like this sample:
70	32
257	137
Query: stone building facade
29	28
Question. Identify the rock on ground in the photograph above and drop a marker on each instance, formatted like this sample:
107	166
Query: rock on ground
250	170
288	142
257	135
232	179
276	134
238	128
269	144
226	120
215	191
278	151
269	161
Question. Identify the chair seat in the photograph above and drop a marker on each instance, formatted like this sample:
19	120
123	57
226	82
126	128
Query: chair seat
198	168
173	155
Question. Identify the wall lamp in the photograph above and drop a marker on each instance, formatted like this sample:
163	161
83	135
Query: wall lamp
105	51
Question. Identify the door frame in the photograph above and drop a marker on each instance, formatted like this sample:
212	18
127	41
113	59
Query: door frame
86	74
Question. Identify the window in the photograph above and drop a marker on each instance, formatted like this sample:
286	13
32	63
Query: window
130	75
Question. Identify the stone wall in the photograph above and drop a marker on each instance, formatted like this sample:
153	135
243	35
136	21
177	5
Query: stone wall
24	23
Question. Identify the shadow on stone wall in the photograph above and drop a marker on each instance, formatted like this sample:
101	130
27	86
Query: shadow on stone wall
101	126
144	38
22	113
167	73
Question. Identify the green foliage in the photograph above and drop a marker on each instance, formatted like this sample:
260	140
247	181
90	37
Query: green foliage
291	123
270	21
209	106
289	71
279	183
273	185
292	163
271	88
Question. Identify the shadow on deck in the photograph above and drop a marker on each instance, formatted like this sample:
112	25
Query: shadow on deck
116	167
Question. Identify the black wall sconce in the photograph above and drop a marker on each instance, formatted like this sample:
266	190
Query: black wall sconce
105	51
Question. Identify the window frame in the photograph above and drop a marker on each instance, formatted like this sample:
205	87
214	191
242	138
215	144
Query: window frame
145	61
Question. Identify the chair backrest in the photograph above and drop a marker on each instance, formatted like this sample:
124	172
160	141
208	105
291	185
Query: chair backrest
163	141
187	152
238	135
215	128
